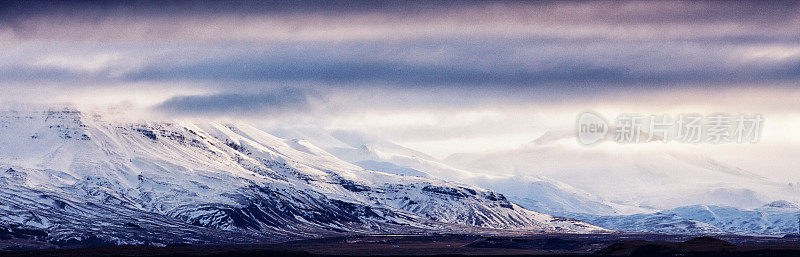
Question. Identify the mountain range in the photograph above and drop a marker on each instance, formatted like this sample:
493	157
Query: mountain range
75	178
630	191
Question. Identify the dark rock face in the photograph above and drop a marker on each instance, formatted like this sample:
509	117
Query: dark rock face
454	192
268	209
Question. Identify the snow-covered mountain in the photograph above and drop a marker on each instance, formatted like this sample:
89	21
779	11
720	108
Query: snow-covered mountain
695	193
375	153
777	218
532	192
650	176
719	199
73	177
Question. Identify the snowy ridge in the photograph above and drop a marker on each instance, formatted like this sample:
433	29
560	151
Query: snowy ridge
774	219
538	193
77	177
654	178
544	194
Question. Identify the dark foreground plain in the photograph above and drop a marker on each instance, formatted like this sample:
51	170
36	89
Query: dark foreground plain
460	245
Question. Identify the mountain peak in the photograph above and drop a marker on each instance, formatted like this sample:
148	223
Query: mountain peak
783	204
210	179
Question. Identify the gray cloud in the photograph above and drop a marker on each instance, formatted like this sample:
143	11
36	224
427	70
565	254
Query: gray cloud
402	69
290	21
562	66
278	101
488	71
766	12
506	51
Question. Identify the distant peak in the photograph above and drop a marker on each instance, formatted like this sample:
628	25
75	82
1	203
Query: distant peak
551	136
782	204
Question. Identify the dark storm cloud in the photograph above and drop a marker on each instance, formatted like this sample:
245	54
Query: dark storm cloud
399	20
601	11
489	65
419	75
275	101
21	9
557	68
555	49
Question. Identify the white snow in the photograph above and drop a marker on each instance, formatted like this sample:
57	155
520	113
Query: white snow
232	177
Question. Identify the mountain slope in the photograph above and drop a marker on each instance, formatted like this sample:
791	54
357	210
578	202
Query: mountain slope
654	175
536	193
774	219
190	182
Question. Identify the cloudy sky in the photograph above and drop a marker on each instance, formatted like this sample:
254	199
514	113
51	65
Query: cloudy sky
439	77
